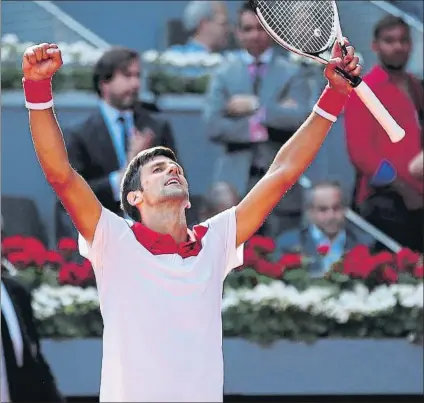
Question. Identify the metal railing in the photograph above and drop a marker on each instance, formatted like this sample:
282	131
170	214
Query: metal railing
72	24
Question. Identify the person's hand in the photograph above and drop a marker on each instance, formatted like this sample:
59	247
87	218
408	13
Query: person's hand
242	105
41	61
349	63
139	141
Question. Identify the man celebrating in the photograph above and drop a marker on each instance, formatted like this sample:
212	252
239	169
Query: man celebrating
160	284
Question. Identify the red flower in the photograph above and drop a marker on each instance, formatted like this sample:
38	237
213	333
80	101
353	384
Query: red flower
419	271
67	244
269	269
263	244
13	244
406	259
54	257
358	262
19	259
360	269
36	251
75	274
390	275
358	252
382	259
290	261
250	257
323	250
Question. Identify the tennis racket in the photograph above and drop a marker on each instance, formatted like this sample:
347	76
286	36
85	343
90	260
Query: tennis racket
310	28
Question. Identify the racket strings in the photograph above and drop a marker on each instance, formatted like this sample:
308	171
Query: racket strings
308	26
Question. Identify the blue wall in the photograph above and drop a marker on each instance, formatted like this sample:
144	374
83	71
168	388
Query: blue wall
137	24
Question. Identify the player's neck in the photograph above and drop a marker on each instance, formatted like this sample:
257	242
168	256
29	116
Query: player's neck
167	220
395	74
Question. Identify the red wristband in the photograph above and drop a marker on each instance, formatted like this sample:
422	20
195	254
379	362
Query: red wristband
38	94
330	104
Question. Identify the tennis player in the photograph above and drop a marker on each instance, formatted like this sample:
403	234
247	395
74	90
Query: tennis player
160	284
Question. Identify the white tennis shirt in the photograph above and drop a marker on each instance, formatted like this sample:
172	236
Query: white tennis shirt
162	338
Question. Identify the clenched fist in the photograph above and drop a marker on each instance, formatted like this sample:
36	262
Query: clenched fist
40	62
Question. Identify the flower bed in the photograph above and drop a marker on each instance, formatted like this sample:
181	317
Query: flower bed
168	72
364	295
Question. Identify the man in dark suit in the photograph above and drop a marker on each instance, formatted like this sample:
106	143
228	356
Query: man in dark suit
100	147
25	375
327	235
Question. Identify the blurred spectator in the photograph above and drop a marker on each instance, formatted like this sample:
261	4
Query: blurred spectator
387	194
327	235
256	101
207	24
100	147
25	375
220	197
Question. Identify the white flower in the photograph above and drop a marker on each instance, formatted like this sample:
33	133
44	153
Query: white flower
150	56
10	39
48	300
172	58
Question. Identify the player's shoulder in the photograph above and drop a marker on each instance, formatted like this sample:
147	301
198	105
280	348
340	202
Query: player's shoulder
221	220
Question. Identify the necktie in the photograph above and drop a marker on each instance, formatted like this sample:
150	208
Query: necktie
257	67
124	133
8	349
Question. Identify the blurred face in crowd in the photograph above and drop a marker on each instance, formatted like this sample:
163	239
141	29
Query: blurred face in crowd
393	47
122	90
220	197
327	210
251	35
217	28
163	181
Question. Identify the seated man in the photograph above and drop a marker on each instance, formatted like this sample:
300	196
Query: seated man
326	229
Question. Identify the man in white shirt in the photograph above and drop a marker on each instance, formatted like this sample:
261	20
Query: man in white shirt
160	284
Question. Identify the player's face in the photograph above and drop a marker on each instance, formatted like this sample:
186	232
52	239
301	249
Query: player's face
163	181
393	47
327	210
251	35
122	90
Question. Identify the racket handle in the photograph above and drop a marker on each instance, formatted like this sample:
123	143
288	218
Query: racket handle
394	131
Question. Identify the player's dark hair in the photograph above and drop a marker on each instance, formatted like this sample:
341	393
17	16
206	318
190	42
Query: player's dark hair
132	181
389	22
113	60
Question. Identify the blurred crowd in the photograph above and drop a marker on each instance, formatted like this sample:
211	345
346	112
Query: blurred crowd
256	100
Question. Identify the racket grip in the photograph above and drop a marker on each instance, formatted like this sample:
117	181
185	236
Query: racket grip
394	131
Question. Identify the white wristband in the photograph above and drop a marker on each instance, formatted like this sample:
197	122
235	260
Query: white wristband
324	114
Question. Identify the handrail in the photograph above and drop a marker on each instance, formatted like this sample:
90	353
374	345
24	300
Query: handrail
396	11
361	223
72	24
9	266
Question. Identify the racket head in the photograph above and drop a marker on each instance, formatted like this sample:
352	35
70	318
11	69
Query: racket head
308	28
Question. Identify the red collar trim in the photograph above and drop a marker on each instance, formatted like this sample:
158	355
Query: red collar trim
164	244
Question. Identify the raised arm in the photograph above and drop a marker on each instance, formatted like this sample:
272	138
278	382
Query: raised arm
297	154
39	64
